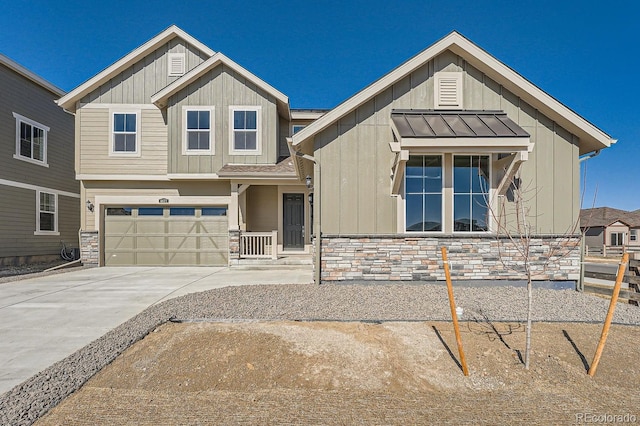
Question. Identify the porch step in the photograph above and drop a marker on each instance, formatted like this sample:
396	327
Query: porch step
285	261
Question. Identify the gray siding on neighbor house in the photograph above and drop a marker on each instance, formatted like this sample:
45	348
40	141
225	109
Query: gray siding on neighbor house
18	224
221	87
22	96
357	161
138	83
18	207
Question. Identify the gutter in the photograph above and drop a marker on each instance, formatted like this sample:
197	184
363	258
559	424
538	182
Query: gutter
589	155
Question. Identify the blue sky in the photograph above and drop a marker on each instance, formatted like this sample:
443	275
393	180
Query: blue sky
585	54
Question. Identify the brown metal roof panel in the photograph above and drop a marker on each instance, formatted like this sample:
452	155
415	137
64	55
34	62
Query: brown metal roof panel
459	126
517	130
496	126
478	126
439	126
419	125
402	125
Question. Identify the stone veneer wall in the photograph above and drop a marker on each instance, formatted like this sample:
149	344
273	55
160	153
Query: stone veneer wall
234	247
89	248
414	258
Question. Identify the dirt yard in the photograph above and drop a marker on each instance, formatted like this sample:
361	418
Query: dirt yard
361	373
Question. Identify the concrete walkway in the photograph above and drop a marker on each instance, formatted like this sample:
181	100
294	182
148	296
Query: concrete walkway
45	319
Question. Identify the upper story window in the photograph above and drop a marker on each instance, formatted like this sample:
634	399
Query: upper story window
423	188
31	140
198	134
124	133
470	193
47	213
245	130
296	128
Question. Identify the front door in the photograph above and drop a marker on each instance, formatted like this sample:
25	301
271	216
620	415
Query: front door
293	221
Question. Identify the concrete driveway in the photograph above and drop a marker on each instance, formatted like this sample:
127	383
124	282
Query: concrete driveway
45	319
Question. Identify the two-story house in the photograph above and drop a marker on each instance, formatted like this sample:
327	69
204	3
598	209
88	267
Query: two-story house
39	195
185	157
183	160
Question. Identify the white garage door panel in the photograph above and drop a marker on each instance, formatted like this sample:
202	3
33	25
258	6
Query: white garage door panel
178	240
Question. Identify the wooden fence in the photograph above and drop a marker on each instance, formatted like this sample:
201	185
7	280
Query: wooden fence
632	277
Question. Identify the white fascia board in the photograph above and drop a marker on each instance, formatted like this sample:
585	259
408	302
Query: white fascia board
67	102
466	143
485	63
160	98
30	75
307	115
85	176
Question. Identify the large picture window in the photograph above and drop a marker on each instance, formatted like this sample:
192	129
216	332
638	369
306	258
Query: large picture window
245	130
423	188
470	193
31	140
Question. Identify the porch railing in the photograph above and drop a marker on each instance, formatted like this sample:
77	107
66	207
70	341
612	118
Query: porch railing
259	245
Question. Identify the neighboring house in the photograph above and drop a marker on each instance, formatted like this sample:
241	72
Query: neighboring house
408	164
183	160
40	196
606	228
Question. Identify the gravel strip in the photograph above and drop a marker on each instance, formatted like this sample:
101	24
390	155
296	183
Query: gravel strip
25	403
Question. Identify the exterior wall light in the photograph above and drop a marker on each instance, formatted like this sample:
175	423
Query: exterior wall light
308	181
89	205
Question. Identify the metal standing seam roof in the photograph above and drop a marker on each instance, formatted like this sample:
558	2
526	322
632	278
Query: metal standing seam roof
455	124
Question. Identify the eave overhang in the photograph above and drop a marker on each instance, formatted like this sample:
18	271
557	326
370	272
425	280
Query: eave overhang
161	98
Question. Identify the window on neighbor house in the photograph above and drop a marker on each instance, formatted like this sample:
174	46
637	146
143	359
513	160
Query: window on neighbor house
296	128
617	238
470	193
198	124
47	218
31	140
423	189
125	133
245	130
633	235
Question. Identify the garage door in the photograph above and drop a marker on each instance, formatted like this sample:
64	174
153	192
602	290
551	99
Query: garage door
176	236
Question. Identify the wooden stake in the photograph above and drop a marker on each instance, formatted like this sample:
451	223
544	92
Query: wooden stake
612	307
452	304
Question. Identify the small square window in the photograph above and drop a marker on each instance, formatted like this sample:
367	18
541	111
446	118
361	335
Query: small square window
296	128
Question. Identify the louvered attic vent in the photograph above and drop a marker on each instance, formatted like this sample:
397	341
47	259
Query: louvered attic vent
448	88
176	64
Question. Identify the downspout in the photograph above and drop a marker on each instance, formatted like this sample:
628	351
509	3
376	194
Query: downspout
316	213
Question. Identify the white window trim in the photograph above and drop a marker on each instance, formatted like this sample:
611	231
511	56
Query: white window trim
258	110
293	126
22	119
212	127
112	151
489	195
442	203
170	58
457	76
55	214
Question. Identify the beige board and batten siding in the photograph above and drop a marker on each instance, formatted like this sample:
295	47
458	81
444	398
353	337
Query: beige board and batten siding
357	161
221	88
136	84
262	208
93	148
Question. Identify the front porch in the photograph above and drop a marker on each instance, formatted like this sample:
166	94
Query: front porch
271	225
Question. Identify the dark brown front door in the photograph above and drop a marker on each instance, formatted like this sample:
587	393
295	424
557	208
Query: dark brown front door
293	221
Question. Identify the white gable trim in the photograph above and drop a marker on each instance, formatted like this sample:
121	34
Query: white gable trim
593	137
160	98
67	102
